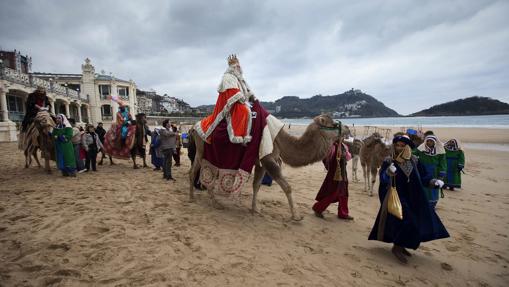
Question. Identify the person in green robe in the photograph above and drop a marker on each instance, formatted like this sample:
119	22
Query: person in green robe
431	154
62	134
455	164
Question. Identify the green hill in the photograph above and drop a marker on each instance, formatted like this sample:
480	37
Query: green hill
465	107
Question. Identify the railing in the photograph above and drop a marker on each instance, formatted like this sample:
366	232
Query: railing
16	116
107	118
34	82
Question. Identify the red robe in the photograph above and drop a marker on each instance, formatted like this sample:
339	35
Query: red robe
332	190
239	113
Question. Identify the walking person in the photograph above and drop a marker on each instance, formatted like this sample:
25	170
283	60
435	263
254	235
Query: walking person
92	145
76	142
419	222
62	134
455	164
156	156
101	132
168	145
178	146
335	185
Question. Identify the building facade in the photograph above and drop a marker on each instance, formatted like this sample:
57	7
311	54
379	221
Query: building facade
86	97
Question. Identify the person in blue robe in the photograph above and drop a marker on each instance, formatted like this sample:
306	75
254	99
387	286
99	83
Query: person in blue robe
420	222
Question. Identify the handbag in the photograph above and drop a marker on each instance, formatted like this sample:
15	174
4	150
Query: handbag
394	204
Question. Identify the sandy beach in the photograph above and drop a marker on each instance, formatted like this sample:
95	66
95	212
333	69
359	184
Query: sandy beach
125	227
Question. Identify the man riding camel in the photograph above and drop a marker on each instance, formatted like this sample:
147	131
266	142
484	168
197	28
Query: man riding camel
36	102
232	105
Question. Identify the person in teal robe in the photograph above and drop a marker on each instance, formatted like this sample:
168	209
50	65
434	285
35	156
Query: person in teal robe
431	154
455	164
62	134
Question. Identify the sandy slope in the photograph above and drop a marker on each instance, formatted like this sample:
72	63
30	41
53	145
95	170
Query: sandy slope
141	231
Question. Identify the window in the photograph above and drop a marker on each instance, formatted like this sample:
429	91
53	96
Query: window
123	92
15	104
104	91
106	110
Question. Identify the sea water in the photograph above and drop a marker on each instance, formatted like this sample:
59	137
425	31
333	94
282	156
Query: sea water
493	121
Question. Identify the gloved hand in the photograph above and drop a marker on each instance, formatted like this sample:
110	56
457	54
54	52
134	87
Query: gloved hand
439	183
460	167
61	138
50	134
391	170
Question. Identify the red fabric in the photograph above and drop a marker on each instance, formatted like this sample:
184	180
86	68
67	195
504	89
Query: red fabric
226	155
239	114
329	185
110	142
321	206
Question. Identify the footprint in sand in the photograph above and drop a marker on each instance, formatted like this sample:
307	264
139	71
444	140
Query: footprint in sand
68	273
352	257
95	230
452	247
63	246
446	266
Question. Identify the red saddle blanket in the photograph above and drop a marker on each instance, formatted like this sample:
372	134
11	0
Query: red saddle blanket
111	142
226	166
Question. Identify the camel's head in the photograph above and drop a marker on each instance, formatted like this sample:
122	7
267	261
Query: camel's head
330	128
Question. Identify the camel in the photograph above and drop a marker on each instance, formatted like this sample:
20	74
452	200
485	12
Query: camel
38	137
311	147
139	142
355	149
372	154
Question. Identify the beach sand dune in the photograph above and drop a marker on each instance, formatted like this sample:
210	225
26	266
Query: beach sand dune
125	227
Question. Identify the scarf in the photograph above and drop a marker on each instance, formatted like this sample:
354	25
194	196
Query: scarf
438	147
452	145
64	122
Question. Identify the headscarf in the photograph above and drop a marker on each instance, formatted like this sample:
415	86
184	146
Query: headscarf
406	154
64	122
437	149
452	145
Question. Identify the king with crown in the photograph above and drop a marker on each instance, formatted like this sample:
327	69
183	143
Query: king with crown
232	105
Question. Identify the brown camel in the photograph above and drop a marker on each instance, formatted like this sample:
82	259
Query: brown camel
37	137
311	147
355	149
372	154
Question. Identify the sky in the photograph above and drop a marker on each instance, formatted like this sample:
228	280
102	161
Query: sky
409	55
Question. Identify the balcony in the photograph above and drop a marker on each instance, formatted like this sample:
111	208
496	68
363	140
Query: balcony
30	81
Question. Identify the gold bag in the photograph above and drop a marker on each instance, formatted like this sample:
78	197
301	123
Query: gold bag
394	204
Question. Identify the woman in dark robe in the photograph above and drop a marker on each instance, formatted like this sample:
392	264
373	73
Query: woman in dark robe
420	222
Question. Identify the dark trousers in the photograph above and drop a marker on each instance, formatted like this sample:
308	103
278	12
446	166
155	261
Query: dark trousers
91	159
167	163
176	157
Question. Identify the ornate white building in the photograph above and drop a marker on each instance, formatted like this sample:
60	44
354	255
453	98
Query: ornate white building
85	97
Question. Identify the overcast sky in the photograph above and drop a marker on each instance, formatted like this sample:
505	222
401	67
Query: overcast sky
408	54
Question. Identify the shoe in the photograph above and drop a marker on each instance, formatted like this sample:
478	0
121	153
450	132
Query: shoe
83	170
348	217
94	170
318	214
171	178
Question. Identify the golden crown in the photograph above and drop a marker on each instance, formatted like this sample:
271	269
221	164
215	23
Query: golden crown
232	60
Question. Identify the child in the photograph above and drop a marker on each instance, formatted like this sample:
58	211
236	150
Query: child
92	145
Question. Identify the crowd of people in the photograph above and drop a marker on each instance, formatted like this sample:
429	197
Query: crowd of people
411	178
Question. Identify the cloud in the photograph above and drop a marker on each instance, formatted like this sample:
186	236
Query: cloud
408	54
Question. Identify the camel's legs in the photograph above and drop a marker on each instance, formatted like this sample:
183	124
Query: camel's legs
27	159
365	176
374	171
36	158
46	165
257	181
193	173
111	160
355	164
133	157
144	160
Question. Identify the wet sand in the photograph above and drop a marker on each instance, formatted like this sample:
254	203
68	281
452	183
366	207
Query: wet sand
125	227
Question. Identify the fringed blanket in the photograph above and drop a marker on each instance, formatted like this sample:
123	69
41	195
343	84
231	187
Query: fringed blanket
226	166
112	144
